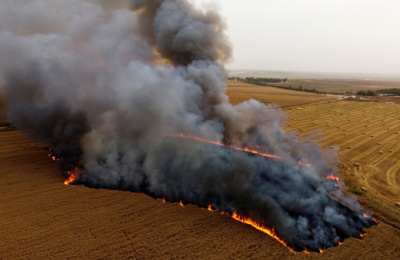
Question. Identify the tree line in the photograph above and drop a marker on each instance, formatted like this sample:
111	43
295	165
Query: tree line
387	91
267	82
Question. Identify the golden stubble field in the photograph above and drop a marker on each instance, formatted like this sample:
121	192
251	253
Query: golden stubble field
240	91
43	218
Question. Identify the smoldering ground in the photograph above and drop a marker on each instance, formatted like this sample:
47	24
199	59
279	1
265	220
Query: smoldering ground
105	85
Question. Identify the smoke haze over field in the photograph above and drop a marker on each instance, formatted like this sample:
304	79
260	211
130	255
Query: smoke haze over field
105	87
342	36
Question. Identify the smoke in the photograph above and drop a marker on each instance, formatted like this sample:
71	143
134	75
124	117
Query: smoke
105	85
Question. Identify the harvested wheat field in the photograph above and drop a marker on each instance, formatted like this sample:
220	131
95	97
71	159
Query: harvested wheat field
368	135
240	91
43	218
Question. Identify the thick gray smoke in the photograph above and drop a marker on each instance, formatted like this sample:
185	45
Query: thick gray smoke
106	86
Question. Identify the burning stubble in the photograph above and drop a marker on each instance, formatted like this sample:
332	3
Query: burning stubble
110	90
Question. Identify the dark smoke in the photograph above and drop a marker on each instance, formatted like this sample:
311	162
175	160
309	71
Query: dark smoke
105	84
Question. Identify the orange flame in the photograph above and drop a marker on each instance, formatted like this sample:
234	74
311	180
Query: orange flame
224	145
71	176
332	177
268	231
246	149
304	164
246	220
52	156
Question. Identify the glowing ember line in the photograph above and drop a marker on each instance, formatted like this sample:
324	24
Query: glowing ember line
224	145
304	164
332	177
260	227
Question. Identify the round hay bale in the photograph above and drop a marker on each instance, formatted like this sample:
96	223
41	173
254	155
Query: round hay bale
380	152
397	204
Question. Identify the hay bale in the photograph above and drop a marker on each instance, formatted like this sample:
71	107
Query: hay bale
364	189
380	152
397	204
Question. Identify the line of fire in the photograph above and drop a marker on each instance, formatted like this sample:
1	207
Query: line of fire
334	191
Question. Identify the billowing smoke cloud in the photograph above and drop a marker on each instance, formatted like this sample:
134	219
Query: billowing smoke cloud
107	85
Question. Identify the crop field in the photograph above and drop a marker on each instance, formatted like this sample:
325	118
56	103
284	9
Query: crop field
368	137
240	91
342	85
43	218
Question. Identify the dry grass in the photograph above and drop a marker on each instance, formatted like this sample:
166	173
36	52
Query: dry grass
367	133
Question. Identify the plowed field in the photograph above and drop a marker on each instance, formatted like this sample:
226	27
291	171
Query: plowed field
41	218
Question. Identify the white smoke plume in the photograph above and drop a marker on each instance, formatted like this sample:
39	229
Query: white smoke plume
106	83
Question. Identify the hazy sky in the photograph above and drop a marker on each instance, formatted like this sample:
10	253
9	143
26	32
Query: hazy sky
314	35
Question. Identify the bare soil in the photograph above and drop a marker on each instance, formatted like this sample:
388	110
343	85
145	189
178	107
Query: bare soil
42	218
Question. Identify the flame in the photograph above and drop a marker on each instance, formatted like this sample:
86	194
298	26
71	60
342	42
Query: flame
71	176
246	149
332	177
268	231
304	164
224	145
52	156
366	215
243	219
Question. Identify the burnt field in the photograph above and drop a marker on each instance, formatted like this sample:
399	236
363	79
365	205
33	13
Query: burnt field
42	217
